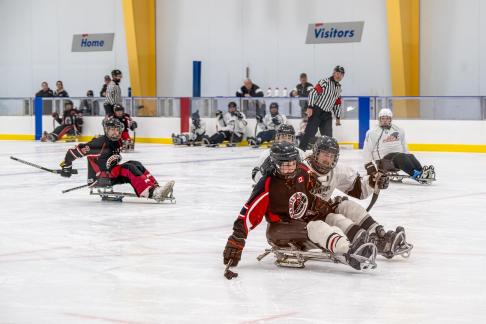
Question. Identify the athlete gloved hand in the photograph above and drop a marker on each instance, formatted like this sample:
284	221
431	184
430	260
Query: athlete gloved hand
276	121
381	179
66	170
233	249
267	167
370	169
133	125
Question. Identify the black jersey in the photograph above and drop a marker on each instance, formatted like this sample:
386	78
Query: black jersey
102	153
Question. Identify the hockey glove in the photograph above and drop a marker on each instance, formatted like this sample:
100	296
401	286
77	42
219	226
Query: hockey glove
66	170
219	114
381	179
370	169
55	115
267	167
276	121
133	125
233	249
239	115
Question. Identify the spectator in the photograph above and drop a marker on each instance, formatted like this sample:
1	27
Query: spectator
44	91
249	89
105	86
324	100
90	106
302	90
60	92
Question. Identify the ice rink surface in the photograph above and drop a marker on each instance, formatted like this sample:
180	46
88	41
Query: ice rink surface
71	258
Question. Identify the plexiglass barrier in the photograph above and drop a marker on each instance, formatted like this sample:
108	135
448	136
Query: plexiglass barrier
426	108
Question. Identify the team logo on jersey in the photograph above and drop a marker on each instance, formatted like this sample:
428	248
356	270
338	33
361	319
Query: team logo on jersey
393	137
298	205
300	179
112	161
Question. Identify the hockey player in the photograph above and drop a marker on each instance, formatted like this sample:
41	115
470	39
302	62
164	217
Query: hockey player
270	123
197	132
386	146
231	127
323	162
284	198
104	168
129	124
70	123
285	133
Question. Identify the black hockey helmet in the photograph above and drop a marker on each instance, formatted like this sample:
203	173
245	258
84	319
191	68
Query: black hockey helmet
282	152
115	73
113	123
339	68
118	107
327	145
285	133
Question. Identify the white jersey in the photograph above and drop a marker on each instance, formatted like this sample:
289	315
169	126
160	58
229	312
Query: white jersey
270	125
231	123
256	173
381	141
343	178
194	131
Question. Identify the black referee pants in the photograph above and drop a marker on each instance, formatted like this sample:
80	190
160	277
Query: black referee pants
321	120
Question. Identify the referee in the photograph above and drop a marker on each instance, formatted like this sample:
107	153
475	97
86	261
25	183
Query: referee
324	99
113	93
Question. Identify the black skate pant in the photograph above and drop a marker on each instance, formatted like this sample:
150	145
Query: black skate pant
266	136
221	136
108	109
281	234
403	161
62	130
321	120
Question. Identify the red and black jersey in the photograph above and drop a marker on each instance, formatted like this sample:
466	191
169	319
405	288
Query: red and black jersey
102	154
125	119
71	117
278	200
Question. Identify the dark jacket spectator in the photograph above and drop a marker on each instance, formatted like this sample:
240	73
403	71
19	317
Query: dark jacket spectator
90	106
105	86
45	91
60	92
249	89
303	88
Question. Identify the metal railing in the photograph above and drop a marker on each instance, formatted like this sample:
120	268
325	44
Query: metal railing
425	108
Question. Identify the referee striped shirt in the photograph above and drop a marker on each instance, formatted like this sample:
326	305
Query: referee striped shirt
113	94
326	95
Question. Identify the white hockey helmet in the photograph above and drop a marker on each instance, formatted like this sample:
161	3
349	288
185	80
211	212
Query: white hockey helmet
385	112
385	117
